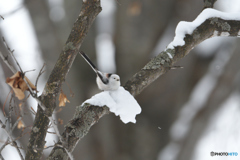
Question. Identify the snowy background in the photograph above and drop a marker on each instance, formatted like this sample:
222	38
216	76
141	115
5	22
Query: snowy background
182	116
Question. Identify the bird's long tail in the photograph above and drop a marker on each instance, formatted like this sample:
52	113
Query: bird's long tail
99	74
88	61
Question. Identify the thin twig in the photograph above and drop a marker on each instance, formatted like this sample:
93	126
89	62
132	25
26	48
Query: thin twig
29	71
29	87
11	53
10	113
5	60
16	123
13	142
3	109
40	73
60	138
39	101
2	17
48	147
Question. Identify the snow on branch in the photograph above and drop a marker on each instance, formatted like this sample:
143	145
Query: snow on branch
210	23
184	28
120	102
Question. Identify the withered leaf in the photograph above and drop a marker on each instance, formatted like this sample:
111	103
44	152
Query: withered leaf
62	100
60	121
19	85
20	125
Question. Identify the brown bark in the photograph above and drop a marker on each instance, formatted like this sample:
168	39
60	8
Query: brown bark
88	13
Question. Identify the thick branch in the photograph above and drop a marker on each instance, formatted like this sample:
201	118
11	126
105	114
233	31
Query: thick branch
79	126
160	64
89	11
85	117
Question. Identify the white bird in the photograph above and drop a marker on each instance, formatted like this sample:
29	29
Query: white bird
105	81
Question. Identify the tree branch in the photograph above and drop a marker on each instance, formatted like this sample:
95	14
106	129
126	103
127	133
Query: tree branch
85	116
5	60
159	65
88	115
89	11
12	140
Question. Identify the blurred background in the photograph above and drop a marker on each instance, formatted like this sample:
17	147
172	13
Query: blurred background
186	114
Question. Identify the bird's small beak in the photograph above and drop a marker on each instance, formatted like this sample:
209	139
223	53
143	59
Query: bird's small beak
118	79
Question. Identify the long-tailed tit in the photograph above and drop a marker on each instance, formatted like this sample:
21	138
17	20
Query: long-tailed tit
105	81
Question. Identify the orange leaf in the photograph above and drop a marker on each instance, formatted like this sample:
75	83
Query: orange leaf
20	125
18	85
62	100
60	121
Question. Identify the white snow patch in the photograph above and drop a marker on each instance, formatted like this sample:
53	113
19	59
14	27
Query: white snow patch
239	33
184	28
120	102
225	34
170	56
215	33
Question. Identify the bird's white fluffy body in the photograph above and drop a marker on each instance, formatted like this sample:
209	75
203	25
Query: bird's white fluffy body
113	83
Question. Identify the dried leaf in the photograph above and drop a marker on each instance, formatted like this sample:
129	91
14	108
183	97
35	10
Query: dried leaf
18	85
60	121
20	124
62	100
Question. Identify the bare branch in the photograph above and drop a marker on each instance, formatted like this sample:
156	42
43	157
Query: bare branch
85	116
23	76
159	65
16	123
36	98
11	53
88	13
40	73
13	142
5	60
60	138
